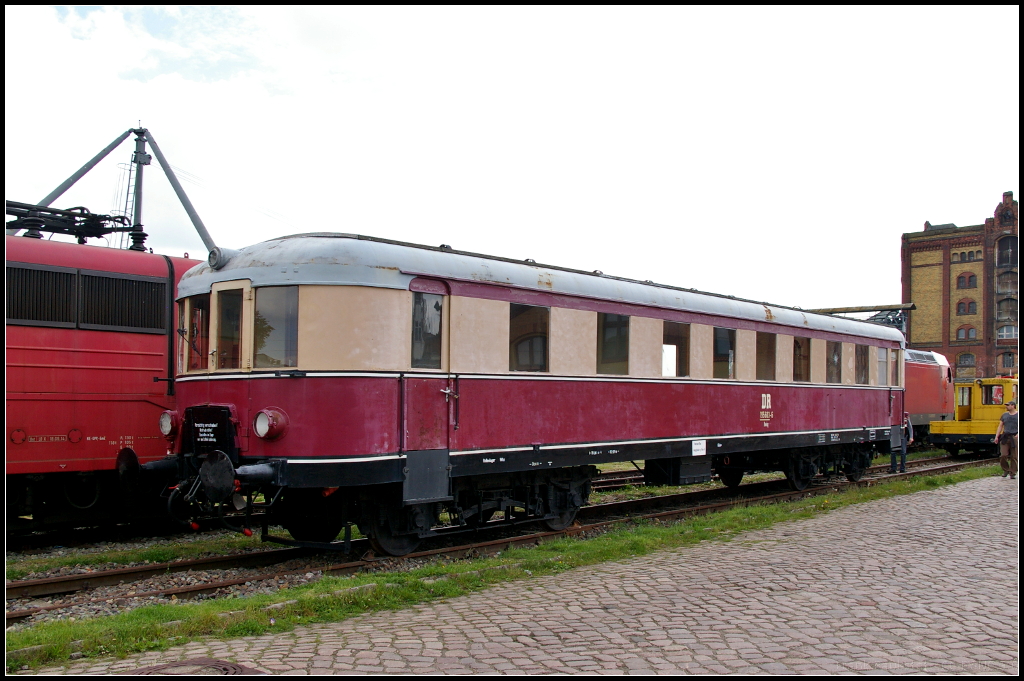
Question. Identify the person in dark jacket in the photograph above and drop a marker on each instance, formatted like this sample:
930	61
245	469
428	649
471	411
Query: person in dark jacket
908	437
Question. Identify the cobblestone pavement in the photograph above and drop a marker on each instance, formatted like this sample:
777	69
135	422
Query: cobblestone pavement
924	583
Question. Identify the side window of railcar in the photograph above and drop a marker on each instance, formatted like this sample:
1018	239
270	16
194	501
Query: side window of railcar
862	364
426	330
276	327
765	356
883	366
724	353
675	350
895	368
198	332
833	362
801	359
528	338
612	343
229	329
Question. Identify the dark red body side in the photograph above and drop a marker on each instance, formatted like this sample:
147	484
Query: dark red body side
338	416
77	398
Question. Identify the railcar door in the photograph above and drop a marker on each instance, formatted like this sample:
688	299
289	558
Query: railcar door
426	404
428	390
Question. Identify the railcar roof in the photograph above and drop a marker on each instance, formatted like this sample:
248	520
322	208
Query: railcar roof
327	258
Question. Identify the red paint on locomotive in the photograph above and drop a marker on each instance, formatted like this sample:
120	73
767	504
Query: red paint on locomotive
930	390
77	398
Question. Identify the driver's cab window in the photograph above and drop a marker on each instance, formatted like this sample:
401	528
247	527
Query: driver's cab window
195	332
215	329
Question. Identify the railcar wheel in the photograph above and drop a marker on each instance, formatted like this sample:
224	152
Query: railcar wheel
855	465
798	482
383	535
801	469
309	516
730	477
563	520
82	491
853	473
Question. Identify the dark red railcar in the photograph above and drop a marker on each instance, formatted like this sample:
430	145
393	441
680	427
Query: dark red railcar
88	330
930	392
401	387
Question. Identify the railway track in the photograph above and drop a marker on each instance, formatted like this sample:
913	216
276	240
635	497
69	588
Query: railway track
589	520
609	482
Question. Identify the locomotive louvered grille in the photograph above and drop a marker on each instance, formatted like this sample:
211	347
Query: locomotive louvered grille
41	296
38	295
123	303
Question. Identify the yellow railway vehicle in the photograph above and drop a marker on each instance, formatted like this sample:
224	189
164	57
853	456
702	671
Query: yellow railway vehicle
978	407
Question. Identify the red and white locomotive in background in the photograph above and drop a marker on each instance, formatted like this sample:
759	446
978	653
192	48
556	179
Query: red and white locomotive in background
331	379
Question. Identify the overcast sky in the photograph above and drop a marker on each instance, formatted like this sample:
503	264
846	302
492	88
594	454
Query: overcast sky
767	153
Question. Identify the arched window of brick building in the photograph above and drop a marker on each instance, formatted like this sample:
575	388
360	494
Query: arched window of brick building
1006	332
965	360
1007	360
970	255
967	280
955	257
979	255
1008	308
967	306
1007	252
963	256
966	333
1007	283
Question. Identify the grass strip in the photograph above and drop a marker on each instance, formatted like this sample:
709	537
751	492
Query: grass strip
336	598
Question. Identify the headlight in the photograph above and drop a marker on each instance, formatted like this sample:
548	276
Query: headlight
270	423
169	424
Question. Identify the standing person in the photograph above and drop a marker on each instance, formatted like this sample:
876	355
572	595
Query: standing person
908	437
1006	436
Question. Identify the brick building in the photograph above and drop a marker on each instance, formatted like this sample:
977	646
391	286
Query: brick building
963	281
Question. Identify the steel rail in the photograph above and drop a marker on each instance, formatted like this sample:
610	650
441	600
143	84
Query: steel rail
497	545
50	586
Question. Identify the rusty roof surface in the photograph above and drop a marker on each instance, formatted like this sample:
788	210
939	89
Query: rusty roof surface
327	258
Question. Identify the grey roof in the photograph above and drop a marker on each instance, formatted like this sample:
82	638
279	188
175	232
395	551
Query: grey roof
353	260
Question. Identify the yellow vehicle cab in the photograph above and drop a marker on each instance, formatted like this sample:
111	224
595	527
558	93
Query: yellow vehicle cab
979	405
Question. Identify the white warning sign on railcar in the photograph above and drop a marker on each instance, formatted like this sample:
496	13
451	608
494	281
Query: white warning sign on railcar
700	447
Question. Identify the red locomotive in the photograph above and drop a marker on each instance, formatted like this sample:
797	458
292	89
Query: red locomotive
88	331
90	346
930	394
332	379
